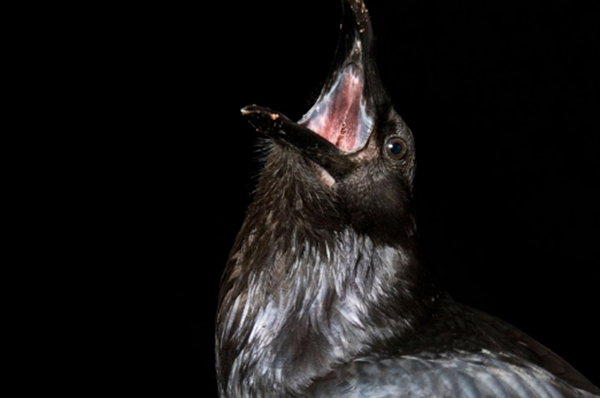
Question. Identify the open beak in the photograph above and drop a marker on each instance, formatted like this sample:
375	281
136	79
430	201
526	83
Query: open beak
342	119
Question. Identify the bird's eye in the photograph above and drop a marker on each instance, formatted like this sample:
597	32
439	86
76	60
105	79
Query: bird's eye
396	148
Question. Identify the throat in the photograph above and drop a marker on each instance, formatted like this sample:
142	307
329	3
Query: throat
291	315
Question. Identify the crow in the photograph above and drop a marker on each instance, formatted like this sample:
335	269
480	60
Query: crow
325	293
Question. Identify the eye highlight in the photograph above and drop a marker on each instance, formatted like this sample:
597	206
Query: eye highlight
396	148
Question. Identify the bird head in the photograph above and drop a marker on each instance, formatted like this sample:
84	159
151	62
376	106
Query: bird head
355	143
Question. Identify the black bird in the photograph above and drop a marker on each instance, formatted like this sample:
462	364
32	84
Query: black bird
324	294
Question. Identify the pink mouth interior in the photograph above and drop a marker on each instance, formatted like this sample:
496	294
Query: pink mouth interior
339	115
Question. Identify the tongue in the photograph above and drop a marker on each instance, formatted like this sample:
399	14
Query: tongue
339	115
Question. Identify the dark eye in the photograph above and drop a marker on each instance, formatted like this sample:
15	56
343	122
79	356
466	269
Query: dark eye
396	147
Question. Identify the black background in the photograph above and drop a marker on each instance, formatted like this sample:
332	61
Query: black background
502	98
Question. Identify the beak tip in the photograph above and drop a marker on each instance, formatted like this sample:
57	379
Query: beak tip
248	109
261	112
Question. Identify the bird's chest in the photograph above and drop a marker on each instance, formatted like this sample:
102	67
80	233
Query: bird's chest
304	311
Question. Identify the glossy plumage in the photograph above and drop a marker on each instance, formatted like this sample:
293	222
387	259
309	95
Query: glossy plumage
324	294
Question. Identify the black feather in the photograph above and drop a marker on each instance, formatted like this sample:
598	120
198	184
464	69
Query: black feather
325	293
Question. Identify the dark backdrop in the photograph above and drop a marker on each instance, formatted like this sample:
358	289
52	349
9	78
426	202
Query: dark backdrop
502	98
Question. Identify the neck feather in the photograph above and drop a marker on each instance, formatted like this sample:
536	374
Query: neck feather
301	296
